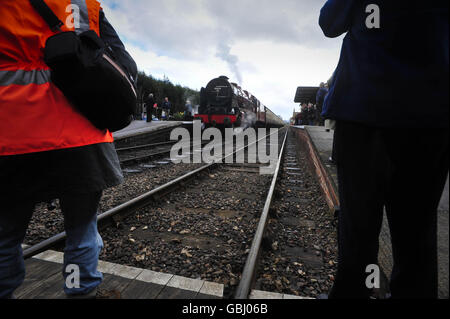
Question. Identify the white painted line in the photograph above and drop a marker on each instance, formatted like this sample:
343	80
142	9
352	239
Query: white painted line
257	294
44	256
125	271
147	276
185	283
153	277
265	295
105	267
51	256
291	297
212	289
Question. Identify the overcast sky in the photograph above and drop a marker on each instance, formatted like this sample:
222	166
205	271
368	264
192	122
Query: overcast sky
269	47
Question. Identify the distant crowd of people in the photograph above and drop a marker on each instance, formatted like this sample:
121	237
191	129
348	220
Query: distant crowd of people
161	111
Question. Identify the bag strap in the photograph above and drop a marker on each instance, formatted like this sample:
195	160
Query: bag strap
47	14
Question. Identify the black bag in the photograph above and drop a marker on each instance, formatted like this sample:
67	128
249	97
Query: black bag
88	74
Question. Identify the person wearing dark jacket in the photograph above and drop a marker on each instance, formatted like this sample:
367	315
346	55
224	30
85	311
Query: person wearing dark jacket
320	98
47	149
304	115
150	102
166	106
392	153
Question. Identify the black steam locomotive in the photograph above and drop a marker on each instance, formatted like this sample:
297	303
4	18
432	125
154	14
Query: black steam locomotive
225	104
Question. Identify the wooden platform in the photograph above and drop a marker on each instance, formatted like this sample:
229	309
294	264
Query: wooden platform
44	280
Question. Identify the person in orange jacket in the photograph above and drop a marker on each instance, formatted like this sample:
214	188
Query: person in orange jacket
47	149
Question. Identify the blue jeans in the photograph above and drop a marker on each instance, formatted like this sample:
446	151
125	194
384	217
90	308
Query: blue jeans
83	244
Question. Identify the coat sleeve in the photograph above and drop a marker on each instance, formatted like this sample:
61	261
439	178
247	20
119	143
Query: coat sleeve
110	36
336	17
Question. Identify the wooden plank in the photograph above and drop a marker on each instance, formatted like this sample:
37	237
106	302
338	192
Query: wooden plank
57	293
45	287
53	288
36	272
142	290
114	284
176	293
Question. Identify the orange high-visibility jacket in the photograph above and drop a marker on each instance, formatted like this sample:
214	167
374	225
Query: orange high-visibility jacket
34	114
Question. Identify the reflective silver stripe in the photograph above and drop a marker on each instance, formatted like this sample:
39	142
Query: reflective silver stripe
22	77
84	16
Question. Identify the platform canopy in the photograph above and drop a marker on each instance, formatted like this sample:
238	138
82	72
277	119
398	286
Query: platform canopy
306	94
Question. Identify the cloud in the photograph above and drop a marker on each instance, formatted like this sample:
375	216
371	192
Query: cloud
274	46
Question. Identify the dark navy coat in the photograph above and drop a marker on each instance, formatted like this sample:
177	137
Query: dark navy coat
396	75
321	95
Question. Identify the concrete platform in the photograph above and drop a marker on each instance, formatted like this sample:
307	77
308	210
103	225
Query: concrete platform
44	281
323	143
137	128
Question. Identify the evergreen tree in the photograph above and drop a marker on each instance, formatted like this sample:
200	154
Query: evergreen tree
177	94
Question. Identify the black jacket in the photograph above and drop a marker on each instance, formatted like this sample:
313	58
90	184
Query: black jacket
149	101
110	37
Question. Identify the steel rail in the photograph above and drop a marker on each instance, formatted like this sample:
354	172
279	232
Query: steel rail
132	148
249	272
130	206
144	157
149	156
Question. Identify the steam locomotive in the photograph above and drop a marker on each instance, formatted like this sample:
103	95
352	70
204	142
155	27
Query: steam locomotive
226	104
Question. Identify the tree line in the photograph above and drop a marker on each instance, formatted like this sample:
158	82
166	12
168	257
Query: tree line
177	94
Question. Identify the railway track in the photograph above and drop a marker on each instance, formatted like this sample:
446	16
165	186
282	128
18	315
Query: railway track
209	229
295	248
124	209
132	155
141	176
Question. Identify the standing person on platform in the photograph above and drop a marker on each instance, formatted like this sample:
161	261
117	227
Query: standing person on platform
150	102
298	119
320	98
311	115
166	106
47	149
304	115
188	113
392	153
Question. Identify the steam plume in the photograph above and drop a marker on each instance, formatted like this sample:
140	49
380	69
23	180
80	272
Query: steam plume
223	52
